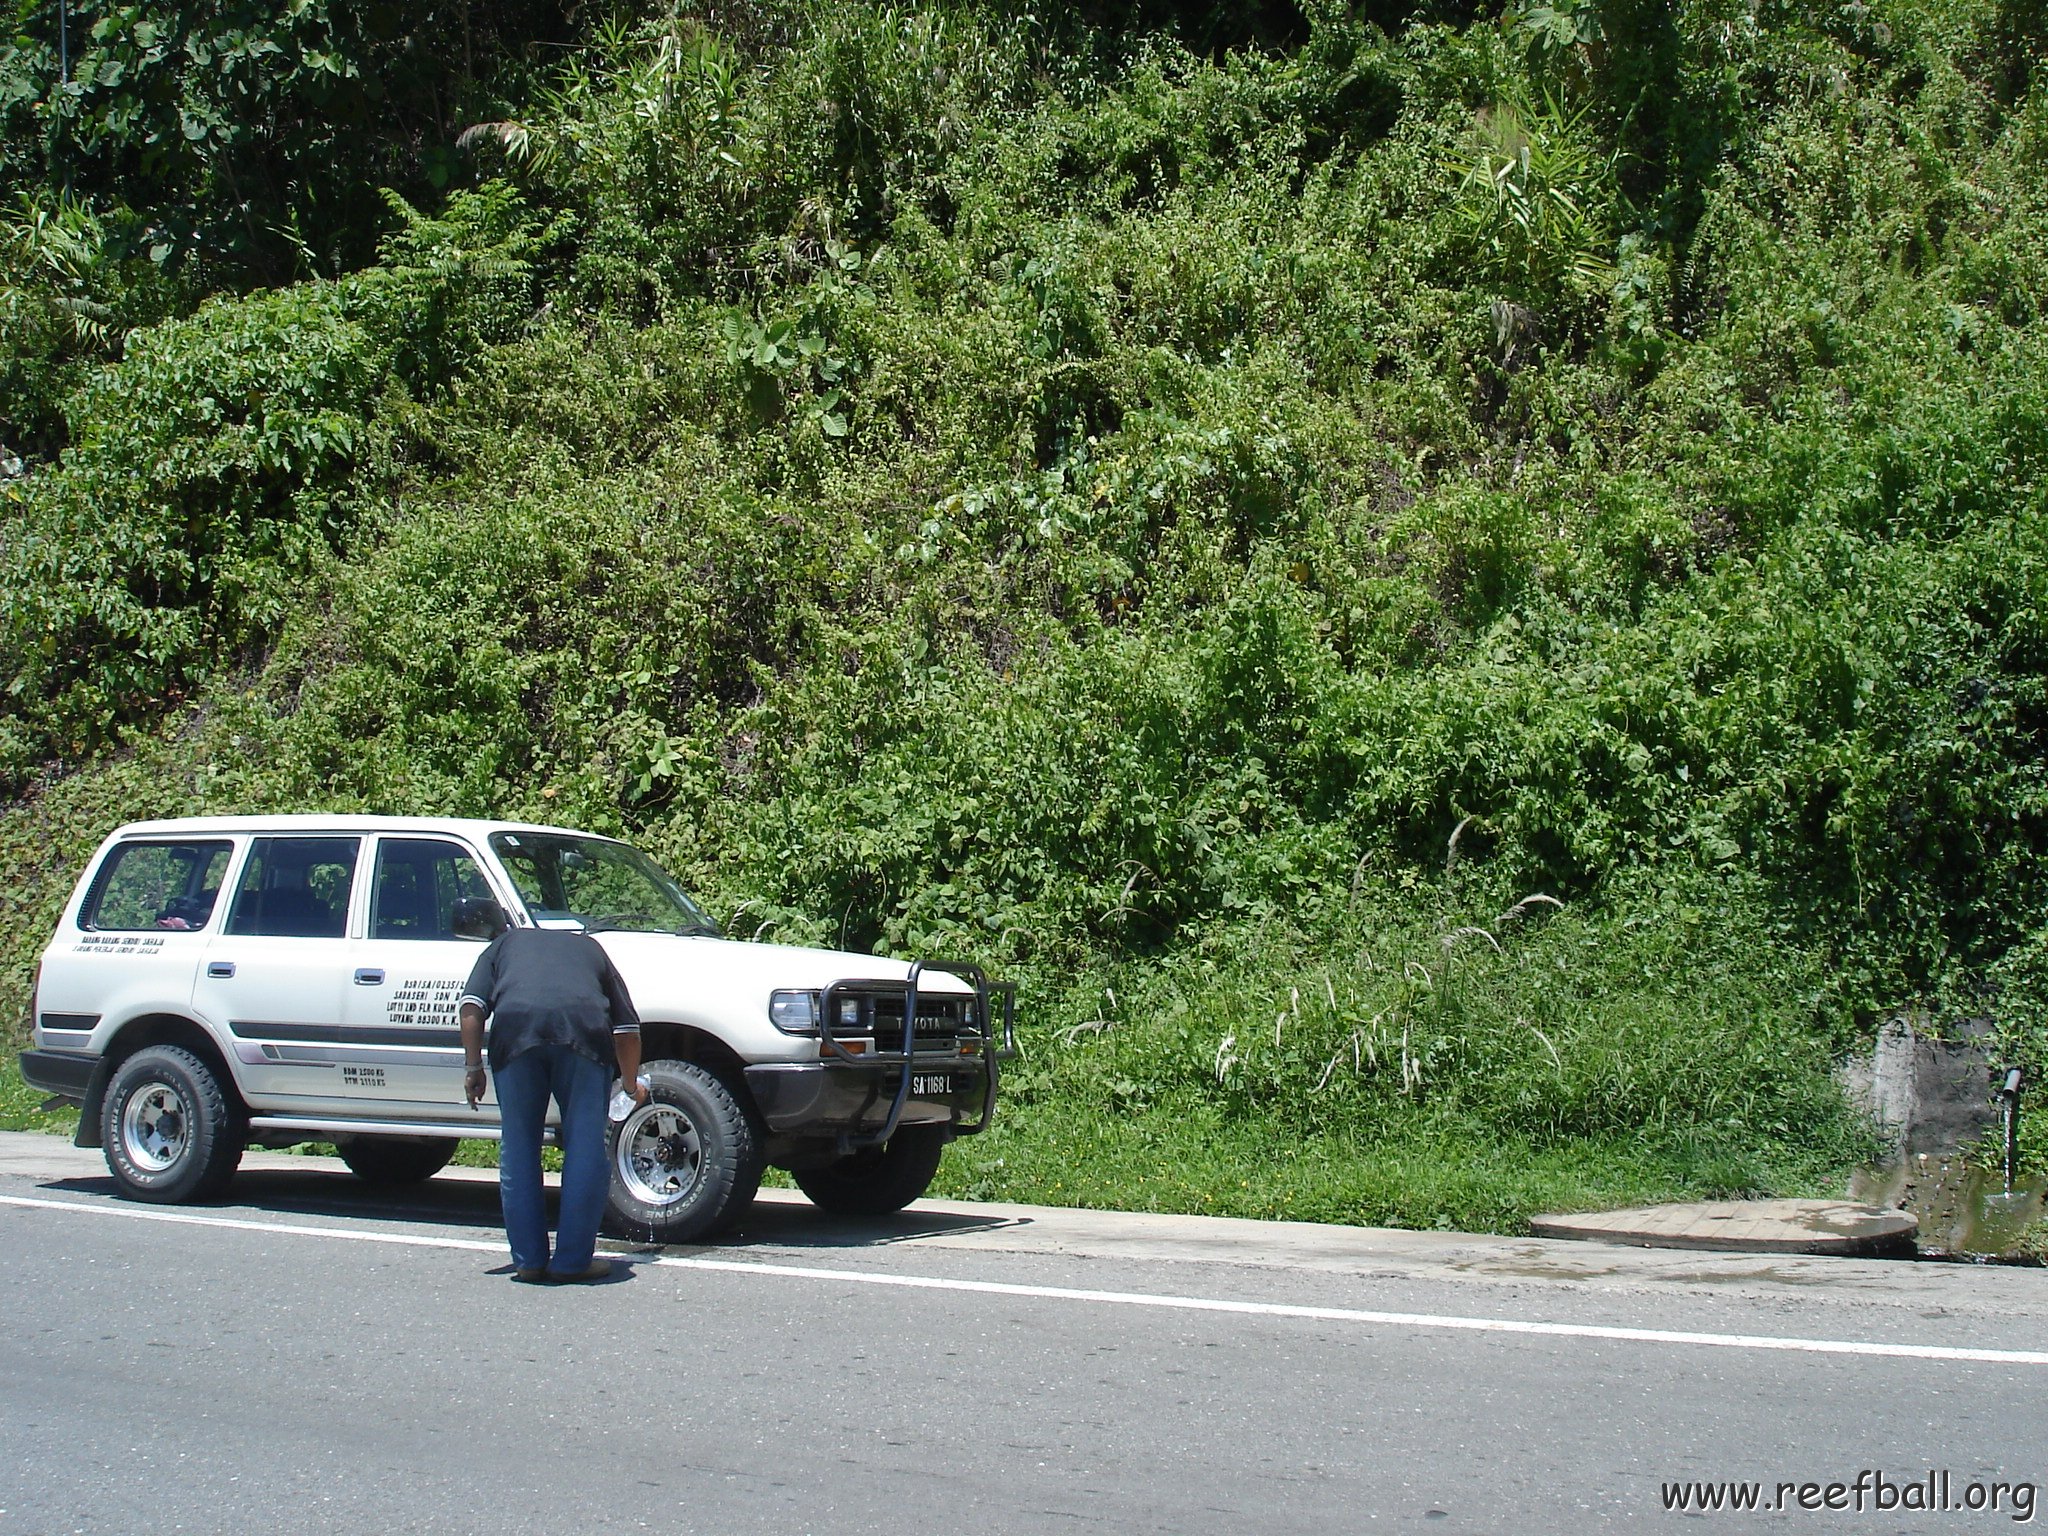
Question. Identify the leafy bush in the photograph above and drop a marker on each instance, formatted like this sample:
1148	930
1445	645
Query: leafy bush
212	464
207	465
252	140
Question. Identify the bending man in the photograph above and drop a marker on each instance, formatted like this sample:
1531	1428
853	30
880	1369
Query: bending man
561	1024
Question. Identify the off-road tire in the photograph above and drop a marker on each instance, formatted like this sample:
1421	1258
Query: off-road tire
170	1131
877	1180
685	1164
395	1159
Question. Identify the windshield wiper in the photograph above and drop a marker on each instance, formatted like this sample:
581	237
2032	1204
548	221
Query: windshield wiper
690	931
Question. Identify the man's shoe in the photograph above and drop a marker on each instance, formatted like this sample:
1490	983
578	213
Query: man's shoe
535	1276
597	1269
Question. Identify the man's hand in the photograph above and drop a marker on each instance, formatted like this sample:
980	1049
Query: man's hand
626	1046
472	1024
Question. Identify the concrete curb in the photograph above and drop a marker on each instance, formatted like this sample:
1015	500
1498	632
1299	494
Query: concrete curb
1843	1228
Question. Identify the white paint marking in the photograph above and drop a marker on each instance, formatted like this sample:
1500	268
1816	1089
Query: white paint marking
1110	1298
191	1219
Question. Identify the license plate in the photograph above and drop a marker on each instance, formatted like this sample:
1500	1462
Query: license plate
931	1085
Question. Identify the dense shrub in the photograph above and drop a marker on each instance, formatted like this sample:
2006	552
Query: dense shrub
210	465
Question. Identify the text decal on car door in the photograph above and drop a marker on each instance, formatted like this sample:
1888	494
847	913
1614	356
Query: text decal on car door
431	1001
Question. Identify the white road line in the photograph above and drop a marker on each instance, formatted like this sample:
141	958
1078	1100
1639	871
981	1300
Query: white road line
1110	1298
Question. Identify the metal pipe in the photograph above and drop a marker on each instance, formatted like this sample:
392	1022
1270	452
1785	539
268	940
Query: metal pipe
2010	1093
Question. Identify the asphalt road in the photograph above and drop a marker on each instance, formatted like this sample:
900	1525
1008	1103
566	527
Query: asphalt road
311	1357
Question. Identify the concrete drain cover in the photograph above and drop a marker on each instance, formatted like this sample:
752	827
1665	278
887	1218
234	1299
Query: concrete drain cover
1840	1227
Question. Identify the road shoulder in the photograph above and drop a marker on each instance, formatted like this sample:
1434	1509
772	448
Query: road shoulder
784	1221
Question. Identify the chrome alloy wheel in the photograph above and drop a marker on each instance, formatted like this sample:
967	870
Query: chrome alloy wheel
659	1155
155	1127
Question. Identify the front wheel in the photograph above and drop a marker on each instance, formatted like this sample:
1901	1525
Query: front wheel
396	1159
170	1131
684	1164
877	1180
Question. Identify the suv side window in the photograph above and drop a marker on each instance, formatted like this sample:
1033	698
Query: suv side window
156	885
296	887
418	882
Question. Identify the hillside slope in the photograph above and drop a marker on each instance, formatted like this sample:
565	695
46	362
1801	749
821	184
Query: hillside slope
1461	598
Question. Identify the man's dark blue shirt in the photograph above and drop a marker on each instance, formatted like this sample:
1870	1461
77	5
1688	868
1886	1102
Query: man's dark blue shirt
550	986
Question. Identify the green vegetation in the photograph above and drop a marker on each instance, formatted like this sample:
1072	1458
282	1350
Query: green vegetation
1462	596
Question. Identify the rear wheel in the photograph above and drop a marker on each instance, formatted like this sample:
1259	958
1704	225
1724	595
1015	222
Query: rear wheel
396	1159
877	1180
170	1131
684	1164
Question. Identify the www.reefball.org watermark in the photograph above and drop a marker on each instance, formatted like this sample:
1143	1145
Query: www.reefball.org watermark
1938	1492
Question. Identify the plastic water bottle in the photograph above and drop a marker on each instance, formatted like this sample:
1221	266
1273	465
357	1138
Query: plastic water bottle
622	1101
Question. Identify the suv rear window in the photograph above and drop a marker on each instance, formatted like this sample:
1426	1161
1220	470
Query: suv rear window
171	885
296	887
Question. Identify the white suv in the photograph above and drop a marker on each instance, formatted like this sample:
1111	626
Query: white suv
222	982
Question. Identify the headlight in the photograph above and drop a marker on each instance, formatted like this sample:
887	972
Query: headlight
794	1013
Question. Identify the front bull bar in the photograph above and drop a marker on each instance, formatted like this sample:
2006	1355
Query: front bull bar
997	1043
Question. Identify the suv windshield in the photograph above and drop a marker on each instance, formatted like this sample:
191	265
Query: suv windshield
596	883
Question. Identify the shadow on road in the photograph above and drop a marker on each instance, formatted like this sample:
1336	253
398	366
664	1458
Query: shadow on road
474	1204
315	1192
779	1225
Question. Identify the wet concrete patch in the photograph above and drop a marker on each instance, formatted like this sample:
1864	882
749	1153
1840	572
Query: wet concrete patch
1963	1211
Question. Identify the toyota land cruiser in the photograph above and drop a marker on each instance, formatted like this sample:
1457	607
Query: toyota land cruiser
223	982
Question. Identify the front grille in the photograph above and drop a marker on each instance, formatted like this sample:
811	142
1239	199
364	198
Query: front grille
940	1021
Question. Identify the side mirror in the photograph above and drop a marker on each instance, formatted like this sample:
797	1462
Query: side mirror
478	917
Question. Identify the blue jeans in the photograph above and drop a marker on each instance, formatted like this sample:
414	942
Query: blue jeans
578	1084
